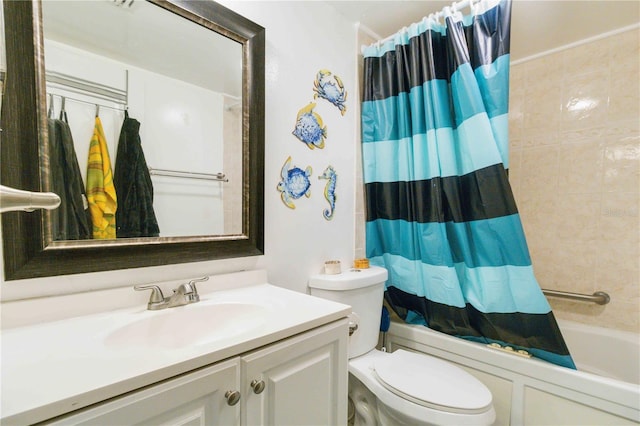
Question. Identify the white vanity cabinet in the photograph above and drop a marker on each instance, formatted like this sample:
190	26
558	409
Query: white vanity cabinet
299	381
196	398
296	381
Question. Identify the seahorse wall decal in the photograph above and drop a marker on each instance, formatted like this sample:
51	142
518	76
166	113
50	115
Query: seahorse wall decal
329	191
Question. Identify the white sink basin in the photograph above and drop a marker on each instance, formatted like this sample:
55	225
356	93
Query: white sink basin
189	325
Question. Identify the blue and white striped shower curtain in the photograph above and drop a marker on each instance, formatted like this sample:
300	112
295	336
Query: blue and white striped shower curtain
440	212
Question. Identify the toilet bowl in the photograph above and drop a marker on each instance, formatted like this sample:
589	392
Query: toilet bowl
416	389
401	387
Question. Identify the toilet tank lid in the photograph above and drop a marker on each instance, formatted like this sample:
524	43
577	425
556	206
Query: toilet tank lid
349	279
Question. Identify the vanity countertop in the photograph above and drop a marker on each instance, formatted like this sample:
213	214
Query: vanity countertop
49	369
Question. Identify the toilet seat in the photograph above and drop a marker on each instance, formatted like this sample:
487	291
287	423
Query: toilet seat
432	383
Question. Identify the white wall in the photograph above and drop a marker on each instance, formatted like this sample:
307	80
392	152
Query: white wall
302	38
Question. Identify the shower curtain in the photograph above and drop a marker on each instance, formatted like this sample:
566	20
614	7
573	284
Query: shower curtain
441	217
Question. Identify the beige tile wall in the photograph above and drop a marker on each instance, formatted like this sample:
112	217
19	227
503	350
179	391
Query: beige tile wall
575	170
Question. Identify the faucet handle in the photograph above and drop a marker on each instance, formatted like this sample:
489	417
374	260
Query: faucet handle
192	283
189	290
156	294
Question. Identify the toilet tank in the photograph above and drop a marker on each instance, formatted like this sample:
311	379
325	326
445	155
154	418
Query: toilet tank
363	290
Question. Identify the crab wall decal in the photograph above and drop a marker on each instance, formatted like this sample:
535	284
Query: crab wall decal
330	88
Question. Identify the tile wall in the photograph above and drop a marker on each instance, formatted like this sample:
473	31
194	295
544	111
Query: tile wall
575	170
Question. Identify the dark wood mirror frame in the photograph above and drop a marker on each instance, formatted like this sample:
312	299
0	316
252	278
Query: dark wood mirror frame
29	250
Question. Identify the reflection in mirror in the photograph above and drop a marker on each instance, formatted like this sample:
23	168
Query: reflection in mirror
183	87
186	104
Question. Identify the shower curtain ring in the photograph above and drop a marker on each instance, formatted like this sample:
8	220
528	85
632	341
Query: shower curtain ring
472	6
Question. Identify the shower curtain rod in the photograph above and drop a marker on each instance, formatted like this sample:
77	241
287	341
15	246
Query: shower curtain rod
455	7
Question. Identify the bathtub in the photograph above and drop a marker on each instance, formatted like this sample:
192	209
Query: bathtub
529	391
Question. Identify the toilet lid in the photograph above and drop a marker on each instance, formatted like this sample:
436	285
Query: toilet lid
432	382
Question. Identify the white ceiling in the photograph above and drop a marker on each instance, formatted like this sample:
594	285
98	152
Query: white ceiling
536	25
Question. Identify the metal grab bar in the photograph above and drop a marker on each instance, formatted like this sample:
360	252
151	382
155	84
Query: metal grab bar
599	297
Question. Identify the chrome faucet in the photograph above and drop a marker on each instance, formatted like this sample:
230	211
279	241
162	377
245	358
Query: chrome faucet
183	295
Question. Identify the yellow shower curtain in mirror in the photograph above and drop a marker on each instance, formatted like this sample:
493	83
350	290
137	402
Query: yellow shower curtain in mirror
101	192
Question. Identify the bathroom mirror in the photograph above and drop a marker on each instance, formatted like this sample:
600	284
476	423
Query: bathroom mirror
29	247
183	86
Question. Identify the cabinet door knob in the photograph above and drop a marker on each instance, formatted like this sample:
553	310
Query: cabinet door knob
232	397
257	385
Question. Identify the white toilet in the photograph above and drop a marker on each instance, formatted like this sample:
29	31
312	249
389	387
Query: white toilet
399	388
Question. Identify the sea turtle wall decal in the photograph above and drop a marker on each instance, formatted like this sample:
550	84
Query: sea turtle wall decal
294	184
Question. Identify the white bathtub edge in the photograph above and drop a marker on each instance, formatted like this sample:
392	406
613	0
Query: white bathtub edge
593	387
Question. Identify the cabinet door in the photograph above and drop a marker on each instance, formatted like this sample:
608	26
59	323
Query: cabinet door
305	380
196	398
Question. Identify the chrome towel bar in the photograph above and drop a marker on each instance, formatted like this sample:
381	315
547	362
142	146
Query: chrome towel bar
191	175
599	297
